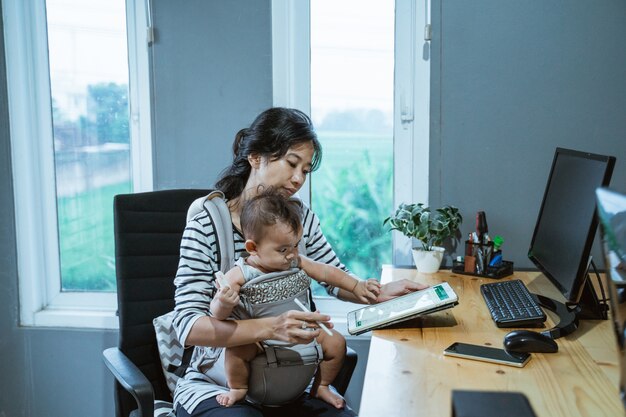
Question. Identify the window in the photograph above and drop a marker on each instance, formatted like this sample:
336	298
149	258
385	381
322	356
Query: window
71	127
352	60
362	71
91	138
365	84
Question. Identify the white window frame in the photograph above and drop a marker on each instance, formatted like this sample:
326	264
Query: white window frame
291	61
291	87
411	113
42	303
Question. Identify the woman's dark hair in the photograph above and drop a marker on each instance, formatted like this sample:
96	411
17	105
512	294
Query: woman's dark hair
271	134
265	210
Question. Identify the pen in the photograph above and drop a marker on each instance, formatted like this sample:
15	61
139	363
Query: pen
481	227
303	308
497	242
496	260
219	277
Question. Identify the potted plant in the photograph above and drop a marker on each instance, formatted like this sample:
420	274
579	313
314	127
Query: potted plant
430	228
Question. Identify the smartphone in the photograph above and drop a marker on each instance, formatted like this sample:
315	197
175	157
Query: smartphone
487	354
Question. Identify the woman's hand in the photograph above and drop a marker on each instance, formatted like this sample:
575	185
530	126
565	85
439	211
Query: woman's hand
298	326
293	326
396	288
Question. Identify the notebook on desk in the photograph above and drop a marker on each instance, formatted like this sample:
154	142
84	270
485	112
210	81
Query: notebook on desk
435	298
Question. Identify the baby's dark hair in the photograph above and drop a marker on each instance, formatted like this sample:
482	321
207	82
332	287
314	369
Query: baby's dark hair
268	208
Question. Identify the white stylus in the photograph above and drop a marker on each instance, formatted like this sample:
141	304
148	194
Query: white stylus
303	308
221	279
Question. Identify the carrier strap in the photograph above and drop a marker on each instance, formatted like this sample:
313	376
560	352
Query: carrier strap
217	210
270	353
215	205
310	353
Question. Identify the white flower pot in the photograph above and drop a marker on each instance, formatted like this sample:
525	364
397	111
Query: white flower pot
428	261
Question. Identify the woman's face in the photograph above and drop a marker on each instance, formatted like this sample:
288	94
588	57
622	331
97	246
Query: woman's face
286	174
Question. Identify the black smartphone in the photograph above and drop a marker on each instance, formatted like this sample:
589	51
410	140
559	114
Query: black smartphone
487	354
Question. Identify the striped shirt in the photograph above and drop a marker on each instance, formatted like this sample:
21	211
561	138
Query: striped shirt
195	288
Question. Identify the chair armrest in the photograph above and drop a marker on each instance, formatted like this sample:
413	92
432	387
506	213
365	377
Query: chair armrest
131	379
342	380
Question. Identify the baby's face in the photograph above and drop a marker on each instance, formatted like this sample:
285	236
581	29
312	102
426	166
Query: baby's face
278	248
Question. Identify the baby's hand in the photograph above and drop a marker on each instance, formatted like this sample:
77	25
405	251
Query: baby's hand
228	296
367	290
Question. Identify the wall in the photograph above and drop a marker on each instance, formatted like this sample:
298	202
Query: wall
511	81
212	66
11	342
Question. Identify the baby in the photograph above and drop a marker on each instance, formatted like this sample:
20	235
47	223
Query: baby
272	227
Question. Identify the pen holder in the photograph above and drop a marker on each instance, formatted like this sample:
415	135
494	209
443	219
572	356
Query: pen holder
481	259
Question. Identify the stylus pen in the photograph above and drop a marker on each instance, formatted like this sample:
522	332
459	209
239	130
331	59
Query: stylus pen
221	279
303	308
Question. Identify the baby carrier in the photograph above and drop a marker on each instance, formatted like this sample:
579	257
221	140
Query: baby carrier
283	371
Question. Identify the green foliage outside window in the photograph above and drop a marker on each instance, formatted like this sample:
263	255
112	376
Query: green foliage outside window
92	162
86	239
110	106
352	202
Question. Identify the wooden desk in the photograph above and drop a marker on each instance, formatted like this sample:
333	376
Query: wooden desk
407	374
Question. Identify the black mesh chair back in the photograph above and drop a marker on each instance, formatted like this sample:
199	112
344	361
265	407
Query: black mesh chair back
148	230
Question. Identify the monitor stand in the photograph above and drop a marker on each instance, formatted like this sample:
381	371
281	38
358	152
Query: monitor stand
589	307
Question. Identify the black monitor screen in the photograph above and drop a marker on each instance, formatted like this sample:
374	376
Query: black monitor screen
566	225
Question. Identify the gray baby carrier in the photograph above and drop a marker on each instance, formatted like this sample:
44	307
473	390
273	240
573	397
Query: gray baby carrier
284	371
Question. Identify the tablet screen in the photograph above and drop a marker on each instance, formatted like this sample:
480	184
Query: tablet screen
405	306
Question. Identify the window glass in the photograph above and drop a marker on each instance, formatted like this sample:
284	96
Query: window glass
89	87
352	63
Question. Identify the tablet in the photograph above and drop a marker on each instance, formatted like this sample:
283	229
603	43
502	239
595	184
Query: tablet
429	300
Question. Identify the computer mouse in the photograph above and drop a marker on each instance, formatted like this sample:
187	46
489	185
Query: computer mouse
529	341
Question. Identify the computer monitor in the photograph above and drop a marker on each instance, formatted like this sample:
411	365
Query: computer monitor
612	215
566	226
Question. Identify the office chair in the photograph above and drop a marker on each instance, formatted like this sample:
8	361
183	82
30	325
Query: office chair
148	228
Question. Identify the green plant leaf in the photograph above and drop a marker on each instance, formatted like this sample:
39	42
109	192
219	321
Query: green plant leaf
430	228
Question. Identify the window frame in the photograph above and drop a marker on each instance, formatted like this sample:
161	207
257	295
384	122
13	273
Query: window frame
292	80
291	61
42	303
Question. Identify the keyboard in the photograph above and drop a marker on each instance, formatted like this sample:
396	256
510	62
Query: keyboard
511	304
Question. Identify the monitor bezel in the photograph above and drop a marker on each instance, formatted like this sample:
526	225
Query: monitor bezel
574	293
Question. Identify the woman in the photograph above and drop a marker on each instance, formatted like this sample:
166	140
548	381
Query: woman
278	150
